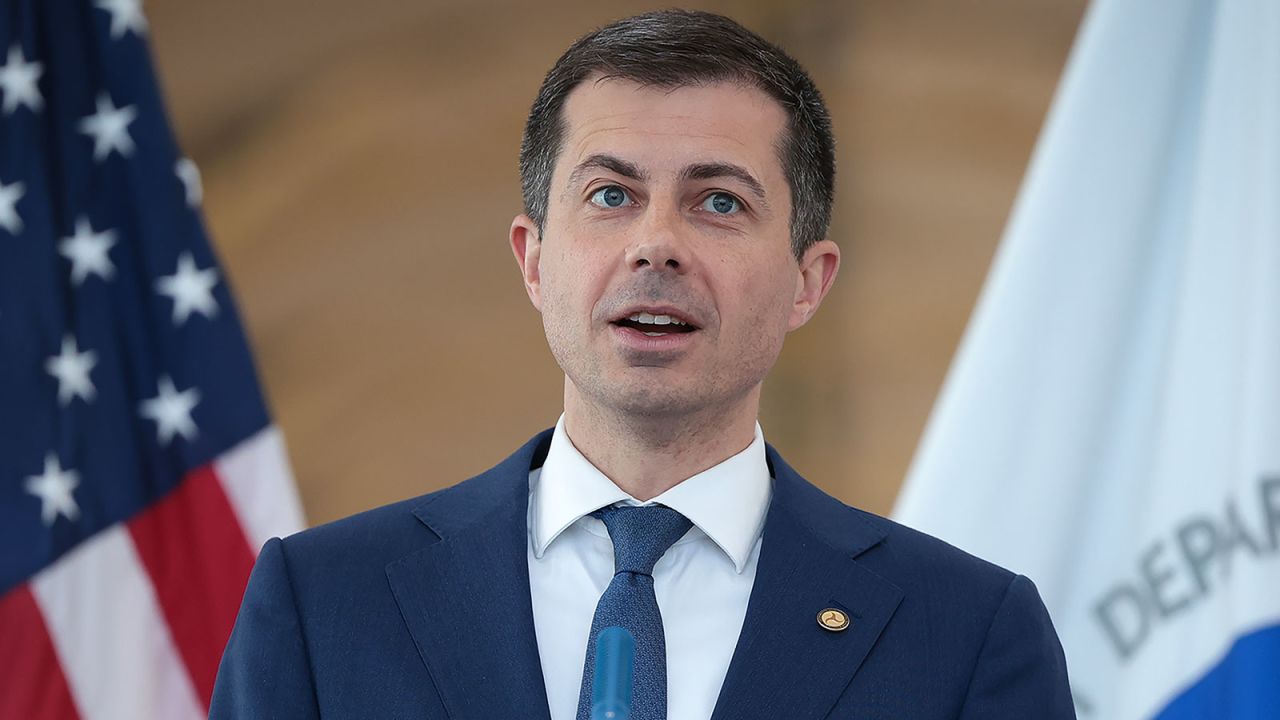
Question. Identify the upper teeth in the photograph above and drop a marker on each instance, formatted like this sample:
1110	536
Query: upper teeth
655	319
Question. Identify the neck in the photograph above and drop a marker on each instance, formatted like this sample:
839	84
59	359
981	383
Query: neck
646	455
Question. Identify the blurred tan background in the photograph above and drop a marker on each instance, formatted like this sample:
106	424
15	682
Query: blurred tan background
359	164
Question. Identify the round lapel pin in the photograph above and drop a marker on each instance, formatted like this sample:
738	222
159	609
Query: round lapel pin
833	620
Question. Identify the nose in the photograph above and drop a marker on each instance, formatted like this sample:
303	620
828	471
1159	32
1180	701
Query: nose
656	256
659	247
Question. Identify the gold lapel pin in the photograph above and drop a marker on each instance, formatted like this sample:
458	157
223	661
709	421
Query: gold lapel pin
833	620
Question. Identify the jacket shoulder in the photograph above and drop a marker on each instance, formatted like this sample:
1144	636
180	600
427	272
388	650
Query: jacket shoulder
915	553
901	555
376	537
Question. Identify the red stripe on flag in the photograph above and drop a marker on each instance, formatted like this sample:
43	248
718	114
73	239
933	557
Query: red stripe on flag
199	561
31	681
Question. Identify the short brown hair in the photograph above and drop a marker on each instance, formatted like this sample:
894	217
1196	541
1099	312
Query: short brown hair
674	48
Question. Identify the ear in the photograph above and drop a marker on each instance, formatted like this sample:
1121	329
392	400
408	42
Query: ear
818	269
526	245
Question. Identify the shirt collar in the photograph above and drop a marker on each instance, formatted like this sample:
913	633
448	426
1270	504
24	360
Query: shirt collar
727	502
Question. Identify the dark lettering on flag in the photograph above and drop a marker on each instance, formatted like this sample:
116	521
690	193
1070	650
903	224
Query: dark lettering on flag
1179	571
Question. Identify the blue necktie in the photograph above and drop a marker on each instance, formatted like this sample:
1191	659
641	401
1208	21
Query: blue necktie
640	536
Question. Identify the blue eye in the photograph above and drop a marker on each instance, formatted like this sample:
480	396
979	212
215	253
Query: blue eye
610	196
721	204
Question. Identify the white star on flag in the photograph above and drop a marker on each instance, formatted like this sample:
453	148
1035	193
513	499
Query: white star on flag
54	488
18	82
191	289
87	252
171	410
126	15
72	368
189	174
9	196
109	127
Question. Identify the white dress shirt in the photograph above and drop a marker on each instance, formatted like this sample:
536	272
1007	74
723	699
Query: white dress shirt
702	583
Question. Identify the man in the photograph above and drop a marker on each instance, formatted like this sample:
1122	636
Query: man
677	174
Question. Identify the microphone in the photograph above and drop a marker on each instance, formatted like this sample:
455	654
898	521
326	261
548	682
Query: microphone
611	687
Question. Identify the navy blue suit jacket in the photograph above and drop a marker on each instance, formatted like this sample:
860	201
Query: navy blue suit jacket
422	610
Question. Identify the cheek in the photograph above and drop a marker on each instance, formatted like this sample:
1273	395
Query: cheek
557	264
570	282
765	302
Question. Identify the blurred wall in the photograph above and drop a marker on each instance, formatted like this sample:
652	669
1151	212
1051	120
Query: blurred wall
359	166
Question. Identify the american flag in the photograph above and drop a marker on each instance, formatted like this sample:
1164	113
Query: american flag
139	470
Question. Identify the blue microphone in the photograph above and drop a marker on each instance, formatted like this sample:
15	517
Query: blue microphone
611	688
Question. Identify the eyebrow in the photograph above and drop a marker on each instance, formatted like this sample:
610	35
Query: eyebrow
607	162
709	171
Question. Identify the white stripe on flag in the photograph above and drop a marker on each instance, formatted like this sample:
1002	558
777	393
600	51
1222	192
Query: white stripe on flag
112	641
256	478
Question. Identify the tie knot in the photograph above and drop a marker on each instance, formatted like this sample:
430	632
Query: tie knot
641	535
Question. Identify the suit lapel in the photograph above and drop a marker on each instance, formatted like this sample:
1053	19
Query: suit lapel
785	664
466	600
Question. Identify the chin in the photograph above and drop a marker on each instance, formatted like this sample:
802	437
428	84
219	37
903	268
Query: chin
650	401
653	401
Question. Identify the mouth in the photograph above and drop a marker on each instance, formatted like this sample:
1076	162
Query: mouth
655	322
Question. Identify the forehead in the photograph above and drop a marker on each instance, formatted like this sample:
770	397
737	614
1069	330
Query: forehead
664	129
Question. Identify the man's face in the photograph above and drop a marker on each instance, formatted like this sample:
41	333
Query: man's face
664	273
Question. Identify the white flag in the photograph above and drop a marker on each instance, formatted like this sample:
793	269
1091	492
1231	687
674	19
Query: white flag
1111	423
